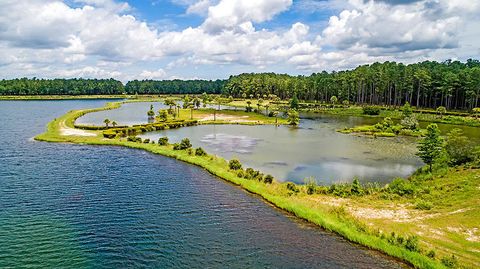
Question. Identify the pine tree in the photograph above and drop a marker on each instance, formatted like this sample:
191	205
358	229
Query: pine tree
430	146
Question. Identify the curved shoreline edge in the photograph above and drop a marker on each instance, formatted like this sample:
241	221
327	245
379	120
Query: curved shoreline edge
326	216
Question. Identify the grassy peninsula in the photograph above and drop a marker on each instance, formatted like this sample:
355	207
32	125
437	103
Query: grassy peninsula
405	219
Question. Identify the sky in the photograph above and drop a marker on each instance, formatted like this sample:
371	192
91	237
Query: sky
213	39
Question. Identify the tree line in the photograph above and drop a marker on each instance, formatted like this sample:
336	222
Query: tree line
175	86
430	84
80	86
76	86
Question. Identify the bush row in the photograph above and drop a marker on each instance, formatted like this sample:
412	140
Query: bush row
138	129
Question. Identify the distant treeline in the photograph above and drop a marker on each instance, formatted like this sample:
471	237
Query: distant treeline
174	86
25	86
452	84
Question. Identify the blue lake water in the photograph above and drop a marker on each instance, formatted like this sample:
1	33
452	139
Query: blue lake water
77	206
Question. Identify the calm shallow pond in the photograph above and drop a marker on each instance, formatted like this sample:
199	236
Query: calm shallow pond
315	149
78	206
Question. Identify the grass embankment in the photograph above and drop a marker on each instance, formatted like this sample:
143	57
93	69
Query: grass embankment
341	215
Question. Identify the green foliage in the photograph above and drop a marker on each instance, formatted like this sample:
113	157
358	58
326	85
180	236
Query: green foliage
292	187
371	110
423	205
450	261
185	144
410	122
407	110
441	110
163	115
334	100
268	179
175	86
431	146
311	185
200	152
76	86
294	102
134	139
431	254
293	117
356	187
476	111
163	141
150	112
401	187
106	121
146	141
458	147
235	164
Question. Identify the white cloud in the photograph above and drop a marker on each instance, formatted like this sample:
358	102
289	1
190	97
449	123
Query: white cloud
229	14
48	38
200	7
157	74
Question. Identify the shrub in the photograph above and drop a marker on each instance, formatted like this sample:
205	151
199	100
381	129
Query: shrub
450	262
163	141
412	244
176	146
200	152
292	187
410	122
311	185
371	110
190	151
423	205
356	187
458	147
293	117
240	174
268	179
401	187
185	144
431	254
134	139
235	164
248	109
146	141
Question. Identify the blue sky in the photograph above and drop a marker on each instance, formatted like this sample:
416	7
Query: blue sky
209	39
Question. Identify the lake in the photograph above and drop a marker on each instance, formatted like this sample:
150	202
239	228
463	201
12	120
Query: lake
78	206
314	150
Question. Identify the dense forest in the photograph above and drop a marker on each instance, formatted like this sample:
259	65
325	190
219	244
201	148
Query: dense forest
75	86
452	84
25	86
174	86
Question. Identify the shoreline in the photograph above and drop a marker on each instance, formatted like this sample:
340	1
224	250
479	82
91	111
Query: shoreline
326	216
